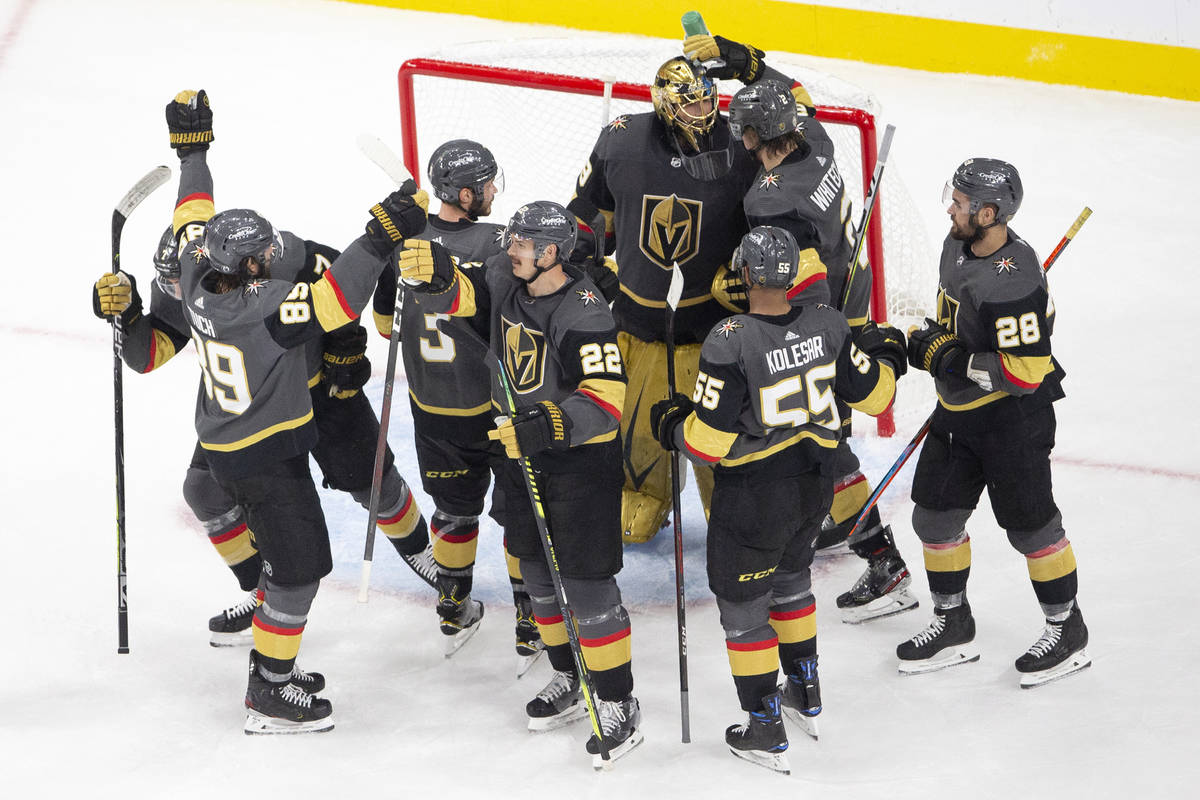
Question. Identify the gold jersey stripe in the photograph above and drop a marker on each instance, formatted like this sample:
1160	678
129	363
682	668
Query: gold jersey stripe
196	207
982	401
948	559
1053	566
603	437
162	350
758	455
1026	371
329	304
705	440
464	301
801	95
446	411
606	393
690	301
882	395
253	438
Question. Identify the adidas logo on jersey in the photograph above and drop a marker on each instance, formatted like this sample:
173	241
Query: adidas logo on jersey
791	335
822	160
199	302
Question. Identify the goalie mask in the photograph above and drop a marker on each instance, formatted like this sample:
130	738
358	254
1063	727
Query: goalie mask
767	106
685	99
464	164
166	264
770	257
234	236
987	180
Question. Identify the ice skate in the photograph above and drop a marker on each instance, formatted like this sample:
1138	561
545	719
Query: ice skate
1061	651
947	642
311	682
620	724
530	646
423	564
800	695
556	705
459	616
831	540
273	708
231	628
881	591
762	739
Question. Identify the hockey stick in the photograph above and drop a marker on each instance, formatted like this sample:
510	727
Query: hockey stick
383	156
140	191
674	292
908	450
860	236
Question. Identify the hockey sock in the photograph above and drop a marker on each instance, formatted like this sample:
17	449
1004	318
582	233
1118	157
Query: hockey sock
850	494
872	537
754	662
514	574
403	524
948	564
607	651
1054	577
795	625
235	544
278	627
454	542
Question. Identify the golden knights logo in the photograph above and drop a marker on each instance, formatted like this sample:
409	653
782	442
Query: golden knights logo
947	311
524	355
670	229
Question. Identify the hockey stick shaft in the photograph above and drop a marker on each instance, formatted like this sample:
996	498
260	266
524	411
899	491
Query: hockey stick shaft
140	191
383	157
860	236
911	447
673	295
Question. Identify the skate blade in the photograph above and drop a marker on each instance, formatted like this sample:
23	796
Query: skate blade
1078	661
559	720
776	762
806	723
838	550
950	657
525	663
236	639
455	642
895	602
600	763
259	724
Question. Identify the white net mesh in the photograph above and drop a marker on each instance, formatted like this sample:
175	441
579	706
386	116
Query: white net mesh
543	138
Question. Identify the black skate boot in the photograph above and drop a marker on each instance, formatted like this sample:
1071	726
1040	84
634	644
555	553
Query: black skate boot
559	703
529	641
762	739
460	616
800	695
283	707
831	539
1061	650
231	627
882	589
311	682
947	642
620	723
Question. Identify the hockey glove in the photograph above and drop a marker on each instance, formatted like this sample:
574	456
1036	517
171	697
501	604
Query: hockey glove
933	348
347	368
883	343
401	214
117	294
535	428
667	415
189	119
426	265
742	61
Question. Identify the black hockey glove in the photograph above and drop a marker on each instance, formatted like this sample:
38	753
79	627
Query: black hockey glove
933	348
742	61
401	214
189	118
425	266
883	343
117	294
535	428
347	368
667	415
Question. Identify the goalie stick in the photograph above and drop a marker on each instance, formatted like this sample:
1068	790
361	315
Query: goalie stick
386	159
908	450
140	191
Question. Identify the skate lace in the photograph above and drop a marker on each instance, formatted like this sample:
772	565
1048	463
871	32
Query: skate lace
1048	640
248	605
300	675
932	632
290	693
423	564
561	684
612	714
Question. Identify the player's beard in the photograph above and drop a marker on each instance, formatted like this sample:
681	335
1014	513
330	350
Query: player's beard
478	208
970	232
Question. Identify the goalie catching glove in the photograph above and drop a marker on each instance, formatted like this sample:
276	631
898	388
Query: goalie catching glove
667	415
742	61
189	119
114	295
400	215
883	343
533	429
933	348
347	368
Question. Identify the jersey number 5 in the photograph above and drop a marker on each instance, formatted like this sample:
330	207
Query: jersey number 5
818	395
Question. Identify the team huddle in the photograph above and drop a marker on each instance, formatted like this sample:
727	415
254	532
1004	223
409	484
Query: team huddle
536	354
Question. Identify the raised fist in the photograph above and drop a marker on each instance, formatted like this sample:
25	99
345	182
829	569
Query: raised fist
116	295
189	119
742	61
399	215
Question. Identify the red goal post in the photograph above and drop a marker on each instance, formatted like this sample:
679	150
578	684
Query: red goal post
860	119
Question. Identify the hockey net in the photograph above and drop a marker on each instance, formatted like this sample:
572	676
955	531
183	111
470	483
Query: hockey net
539	105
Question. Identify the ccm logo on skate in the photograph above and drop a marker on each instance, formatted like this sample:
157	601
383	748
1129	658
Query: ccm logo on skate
754	576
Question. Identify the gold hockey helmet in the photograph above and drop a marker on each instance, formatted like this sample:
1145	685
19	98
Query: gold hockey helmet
679	85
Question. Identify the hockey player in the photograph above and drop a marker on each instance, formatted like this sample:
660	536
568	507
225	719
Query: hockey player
549	327
996	379
336	368
668	187
764	412
799	188
449	394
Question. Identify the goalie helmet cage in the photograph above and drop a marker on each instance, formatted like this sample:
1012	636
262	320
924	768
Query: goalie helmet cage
507	107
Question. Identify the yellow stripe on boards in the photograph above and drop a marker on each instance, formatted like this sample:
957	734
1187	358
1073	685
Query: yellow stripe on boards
875	38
